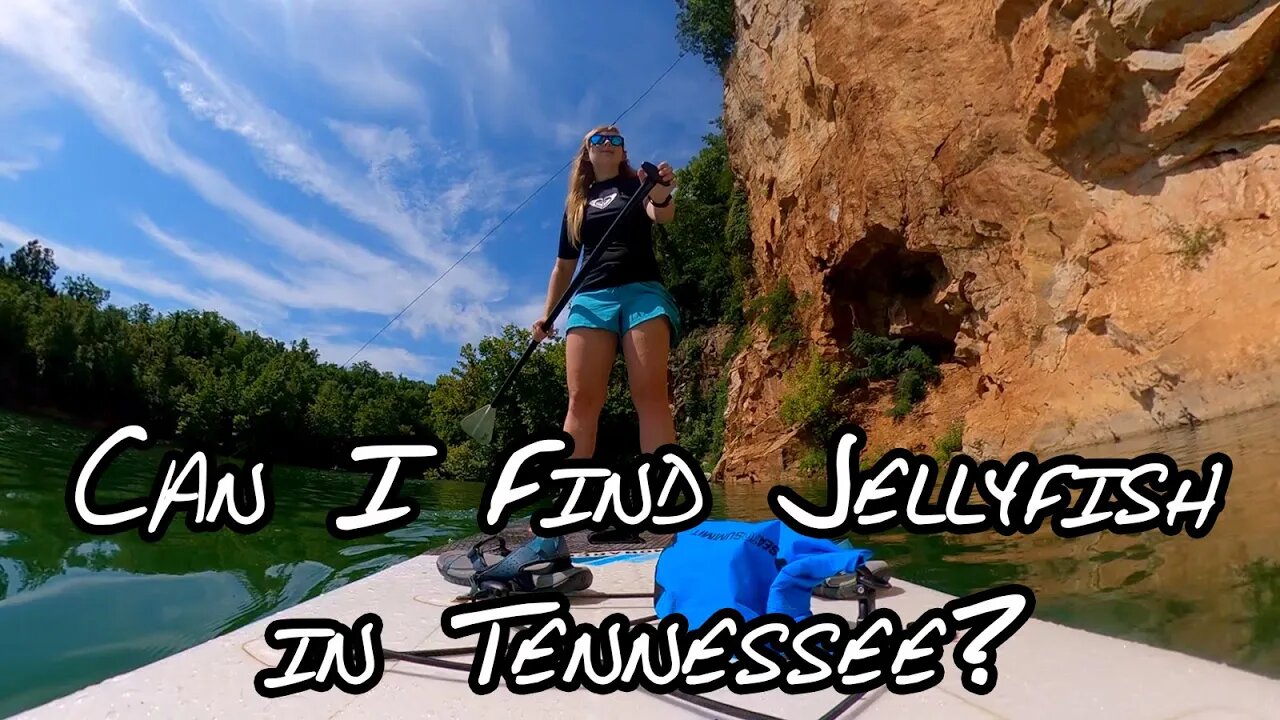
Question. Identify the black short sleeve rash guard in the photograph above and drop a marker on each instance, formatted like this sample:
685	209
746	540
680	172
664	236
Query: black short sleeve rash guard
629	257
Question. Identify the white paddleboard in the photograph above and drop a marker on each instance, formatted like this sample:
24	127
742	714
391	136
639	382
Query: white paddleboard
1046	671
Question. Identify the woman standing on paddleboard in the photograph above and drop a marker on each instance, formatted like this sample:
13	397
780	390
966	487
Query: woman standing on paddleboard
622	303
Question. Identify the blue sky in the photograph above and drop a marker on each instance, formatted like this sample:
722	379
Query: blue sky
308	167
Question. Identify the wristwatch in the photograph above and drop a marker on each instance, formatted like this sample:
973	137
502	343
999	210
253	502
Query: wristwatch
664	203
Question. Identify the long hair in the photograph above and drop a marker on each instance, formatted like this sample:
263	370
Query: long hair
581	175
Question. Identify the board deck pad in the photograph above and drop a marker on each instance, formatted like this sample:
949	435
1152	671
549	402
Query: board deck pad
1047	671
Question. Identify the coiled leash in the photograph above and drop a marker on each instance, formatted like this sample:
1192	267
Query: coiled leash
861	586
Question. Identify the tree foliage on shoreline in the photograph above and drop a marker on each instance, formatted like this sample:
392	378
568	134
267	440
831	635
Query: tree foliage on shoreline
189	376
706	28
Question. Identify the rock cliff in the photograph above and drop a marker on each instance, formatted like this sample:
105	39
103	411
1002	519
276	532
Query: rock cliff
1071	203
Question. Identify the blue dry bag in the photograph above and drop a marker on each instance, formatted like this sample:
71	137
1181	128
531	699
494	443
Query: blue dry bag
756	568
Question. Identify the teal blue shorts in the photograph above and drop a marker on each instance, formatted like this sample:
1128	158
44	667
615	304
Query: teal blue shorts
620	308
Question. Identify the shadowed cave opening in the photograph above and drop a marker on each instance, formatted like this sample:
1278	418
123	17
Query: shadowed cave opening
883	288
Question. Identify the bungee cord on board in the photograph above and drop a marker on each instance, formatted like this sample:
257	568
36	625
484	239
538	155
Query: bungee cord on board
437	657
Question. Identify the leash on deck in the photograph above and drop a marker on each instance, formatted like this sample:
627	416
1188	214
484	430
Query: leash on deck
865	594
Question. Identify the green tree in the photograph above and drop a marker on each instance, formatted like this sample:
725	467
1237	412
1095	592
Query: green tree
202	407
17	306
701	250
330	412
34	263
273	398
536	402
191	376
82	289
884	357
534	399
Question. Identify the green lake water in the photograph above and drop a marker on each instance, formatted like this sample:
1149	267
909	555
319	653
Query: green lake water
76	609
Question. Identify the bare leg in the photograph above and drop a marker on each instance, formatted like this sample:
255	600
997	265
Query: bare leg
589	355
647	348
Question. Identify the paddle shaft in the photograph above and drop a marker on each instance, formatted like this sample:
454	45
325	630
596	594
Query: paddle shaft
651	177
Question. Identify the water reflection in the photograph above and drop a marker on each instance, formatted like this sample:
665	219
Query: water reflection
1212	596
143	601
1217	597
118	618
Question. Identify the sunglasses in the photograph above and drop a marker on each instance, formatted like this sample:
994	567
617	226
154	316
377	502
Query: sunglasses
614	140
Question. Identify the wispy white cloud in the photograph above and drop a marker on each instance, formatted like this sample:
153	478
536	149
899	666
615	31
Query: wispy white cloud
359	50
43	141
107	269
523	314
369	81
24	150
483	62
376	146
19	91
407	128
328	342
499	56
11	169
227	270
384	357
56	39
284	149
317	288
